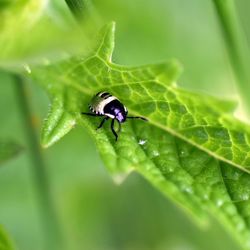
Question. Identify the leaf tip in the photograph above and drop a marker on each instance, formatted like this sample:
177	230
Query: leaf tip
120	177
51	133
177	67
170	71
106	41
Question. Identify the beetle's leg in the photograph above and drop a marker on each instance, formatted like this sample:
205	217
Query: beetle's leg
119	129
102	122
113	130
90	114
137	117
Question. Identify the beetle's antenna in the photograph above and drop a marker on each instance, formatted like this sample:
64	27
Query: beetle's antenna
90	114
137	117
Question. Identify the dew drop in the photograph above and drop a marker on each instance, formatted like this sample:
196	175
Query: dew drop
219	203
170	170
155	153
189	190
142	142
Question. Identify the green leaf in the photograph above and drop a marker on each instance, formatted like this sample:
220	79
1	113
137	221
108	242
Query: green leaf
192	149
23	25
8	150
16	20
5	242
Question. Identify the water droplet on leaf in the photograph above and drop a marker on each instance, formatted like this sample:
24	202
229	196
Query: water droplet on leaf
142	142
219	202
155	153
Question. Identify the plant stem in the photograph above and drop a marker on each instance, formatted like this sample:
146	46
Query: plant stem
77	7
51	229
83	10
237	48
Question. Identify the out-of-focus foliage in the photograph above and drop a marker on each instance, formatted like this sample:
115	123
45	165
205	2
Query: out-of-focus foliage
5	242
8	149
37	30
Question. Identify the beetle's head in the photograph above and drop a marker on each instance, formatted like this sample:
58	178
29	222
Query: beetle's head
121	115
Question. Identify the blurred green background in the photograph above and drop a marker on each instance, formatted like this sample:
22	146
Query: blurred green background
94	212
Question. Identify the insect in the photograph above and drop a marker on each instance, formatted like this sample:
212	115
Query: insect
106	105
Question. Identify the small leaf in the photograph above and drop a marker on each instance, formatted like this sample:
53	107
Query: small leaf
5	242
192	149
22	40
8	150
17	20
57	124
106	42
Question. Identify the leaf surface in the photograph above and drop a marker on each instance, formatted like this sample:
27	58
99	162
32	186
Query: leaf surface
192	149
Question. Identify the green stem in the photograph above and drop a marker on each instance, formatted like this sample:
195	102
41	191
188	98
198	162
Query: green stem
83	10
48	216
77	7
237	48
